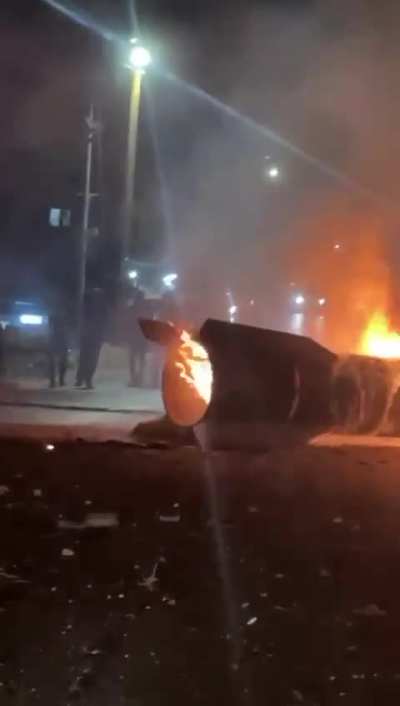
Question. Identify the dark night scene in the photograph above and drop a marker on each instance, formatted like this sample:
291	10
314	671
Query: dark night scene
199	353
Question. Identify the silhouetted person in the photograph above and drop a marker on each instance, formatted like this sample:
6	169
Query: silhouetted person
136	341
58	348
92	336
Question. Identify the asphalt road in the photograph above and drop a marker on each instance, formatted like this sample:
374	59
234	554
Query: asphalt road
146	578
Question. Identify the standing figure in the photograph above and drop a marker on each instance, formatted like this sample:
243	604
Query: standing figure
58	347
137	344
91	336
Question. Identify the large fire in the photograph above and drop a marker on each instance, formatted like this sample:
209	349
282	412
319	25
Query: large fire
378	339
194	366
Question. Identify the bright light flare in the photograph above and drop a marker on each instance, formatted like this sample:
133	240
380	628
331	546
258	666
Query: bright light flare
139	57
378	340
299	300
49	447
322	301
132	274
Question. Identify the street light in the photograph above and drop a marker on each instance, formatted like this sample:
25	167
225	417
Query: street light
139	61
139	58
170	279
273	172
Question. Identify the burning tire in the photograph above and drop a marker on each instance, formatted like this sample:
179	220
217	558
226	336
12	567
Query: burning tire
360	393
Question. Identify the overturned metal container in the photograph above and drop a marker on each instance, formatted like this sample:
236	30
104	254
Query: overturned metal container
255	375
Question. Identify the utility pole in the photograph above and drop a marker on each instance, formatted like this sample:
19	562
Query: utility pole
87	199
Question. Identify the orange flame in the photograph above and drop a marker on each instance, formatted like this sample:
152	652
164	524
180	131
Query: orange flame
378	340
194	366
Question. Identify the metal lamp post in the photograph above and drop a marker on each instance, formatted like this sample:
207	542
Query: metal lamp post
139	60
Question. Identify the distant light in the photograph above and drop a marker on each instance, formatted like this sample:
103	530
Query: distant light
322	301
139	57
132	274
170	279
337	246
273	172
299	299
292	284
31	319
233	309
252	302
49	447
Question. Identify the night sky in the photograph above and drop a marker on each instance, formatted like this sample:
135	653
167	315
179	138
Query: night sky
319	73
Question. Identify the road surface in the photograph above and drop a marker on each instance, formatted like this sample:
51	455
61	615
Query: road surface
133	577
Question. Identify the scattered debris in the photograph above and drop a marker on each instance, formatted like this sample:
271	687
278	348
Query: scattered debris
12	577
279	576
149	582
4	490
264	594
298	696
245	605
337	520
94	520
67	552
252	621
253	509
371	611
169	518
37	493
102	519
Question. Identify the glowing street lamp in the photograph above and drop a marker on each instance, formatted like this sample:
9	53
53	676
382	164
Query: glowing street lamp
139	60
169	280
273	173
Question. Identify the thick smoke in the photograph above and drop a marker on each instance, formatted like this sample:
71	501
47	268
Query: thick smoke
325	78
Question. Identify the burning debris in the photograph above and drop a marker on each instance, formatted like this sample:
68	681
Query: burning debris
378	340
233	373
187	381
